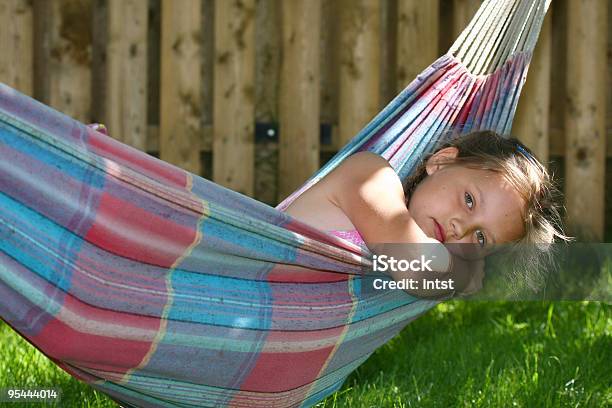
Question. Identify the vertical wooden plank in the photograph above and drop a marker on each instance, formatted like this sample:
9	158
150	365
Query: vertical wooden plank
180	96
359	66
16	43
300	94
557	76
126	71
463	11
608	210
268	58
267	73
99	31
299	109
329	67
388	52
531	124
447	29
153	66
585	117
418	30
609	86
62	67
234	95
208	63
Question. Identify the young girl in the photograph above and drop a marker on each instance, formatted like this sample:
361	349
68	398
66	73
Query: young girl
478	190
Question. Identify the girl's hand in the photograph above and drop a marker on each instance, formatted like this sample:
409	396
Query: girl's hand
468	274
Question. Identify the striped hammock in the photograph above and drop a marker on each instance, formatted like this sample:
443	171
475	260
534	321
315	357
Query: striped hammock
160	288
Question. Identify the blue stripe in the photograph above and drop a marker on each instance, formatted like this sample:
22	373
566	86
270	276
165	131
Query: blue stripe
51	156
37	258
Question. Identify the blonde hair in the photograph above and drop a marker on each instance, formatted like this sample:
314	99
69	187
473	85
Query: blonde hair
533	254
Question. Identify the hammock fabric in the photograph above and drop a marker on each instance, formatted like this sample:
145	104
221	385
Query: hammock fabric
160	288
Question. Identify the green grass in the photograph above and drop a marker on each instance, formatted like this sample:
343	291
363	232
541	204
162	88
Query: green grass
461	354
22	366
491	355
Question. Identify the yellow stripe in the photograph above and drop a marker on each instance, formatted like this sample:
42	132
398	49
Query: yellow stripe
351	290
164	321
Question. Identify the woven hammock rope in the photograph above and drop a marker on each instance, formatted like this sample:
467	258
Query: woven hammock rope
160	288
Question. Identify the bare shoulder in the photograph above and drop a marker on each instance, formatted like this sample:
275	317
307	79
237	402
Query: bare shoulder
366	157
337	201
362	163
366	189
362	172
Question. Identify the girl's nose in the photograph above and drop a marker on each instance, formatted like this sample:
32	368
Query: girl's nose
462	231
459	230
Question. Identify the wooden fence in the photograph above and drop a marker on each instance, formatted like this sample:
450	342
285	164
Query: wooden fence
254	94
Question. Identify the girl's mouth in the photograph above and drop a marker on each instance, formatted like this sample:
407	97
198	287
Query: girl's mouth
439	232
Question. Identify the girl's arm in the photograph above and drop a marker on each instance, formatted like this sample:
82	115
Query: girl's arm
367	189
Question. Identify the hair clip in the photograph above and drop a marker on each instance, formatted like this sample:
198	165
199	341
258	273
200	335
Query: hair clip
526	154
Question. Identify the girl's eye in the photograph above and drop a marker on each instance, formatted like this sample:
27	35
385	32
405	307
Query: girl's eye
481	238
469	200
479	235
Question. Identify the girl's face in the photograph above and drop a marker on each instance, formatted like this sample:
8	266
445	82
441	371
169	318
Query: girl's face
457	204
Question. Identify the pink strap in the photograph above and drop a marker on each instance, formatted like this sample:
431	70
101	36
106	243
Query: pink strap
98	127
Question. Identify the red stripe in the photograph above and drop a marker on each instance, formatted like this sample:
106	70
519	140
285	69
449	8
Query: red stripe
127	230
277	372
64	343
283	273
137	160
282	371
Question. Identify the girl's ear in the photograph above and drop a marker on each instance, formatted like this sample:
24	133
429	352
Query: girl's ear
441	158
